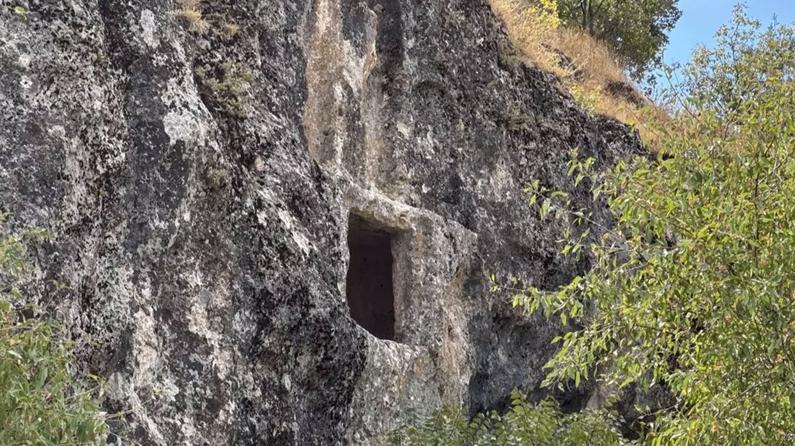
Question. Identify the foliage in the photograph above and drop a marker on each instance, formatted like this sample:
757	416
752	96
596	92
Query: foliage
199	23
547	12
634	29
228	84
191	11
40	402
523	424
21	11
585	65
532	26
693	289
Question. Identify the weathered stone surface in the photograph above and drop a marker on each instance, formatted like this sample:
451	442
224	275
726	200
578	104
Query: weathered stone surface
197	188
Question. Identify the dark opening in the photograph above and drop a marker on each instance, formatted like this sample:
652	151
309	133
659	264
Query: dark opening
369	281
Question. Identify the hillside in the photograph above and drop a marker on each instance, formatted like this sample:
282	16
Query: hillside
588	69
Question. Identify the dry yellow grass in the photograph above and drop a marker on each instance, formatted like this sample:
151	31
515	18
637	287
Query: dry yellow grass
591	73
594	58
191	11
531	32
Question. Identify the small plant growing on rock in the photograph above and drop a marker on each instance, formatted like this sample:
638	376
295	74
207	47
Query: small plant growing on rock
542	424
199	23
40	401
222	26
228	30
516	119
21	11
228	85
191	11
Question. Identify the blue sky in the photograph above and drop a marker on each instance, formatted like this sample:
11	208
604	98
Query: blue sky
701	18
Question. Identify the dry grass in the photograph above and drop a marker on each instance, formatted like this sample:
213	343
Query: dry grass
589	70
229	30
530	32
597	62
191	11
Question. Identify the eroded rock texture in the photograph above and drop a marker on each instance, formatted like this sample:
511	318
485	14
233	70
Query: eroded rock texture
198	183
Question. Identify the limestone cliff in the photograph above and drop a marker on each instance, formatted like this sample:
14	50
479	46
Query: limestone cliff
198	175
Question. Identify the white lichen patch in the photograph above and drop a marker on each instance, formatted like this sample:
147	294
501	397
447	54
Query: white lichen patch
324	13
355	70
259	164
181	125
292	225
404	129
25	82
167	389
122	387
148	27
189	430
202	298
188	119
57	131
145	348
498	182
24	61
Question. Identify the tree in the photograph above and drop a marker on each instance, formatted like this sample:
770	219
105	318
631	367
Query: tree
693	288
634	29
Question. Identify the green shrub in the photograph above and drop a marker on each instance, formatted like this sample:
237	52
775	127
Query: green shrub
40	401
523	424
228	85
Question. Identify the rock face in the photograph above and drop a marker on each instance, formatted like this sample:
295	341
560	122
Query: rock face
198	175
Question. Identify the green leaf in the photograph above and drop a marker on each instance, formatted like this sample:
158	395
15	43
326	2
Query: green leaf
544	211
